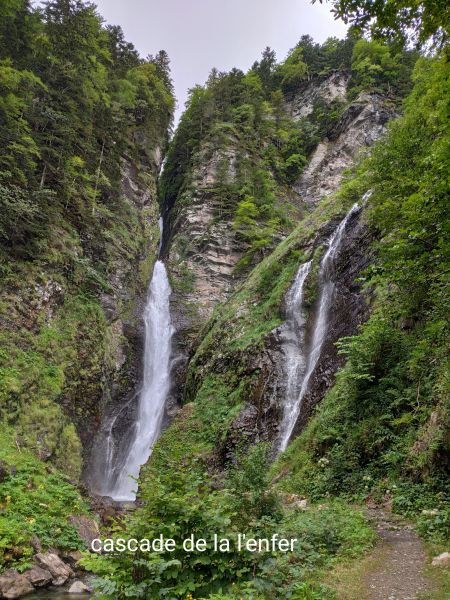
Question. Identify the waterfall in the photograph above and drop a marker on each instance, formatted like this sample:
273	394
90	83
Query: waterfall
293	343
155	386
300	364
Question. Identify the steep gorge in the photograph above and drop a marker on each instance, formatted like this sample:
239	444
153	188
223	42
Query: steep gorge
282	347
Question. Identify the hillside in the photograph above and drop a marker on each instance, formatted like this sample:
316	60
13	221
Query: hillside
274	347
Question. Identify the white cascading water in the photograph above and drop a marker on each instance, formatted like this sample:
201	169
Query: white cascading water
294	343
155	386
306	365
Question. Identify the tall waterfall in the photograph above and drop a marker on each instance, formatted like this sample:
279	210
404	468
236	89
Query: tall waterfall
302	361
155	386
293	343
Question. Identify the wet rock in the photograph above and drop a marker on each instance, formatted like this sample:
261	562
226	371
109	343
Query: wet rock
442	560
78	587
72	558
38	577
87	528
60	572
14	585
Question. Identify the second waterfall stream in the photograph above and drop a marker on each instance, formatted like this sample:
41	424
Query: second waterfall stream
302	357
155	384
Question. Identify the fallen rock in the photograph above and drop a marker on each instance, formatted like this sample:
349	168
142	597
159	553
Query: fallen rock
72	558
87	528
78	587
59	570
14	585
38	577
36	543
441	560
297	501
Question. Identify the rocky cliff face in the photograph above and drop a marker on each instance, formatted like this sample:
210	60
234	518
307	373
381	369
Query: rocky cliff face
77	353
362	123
201	246
236	343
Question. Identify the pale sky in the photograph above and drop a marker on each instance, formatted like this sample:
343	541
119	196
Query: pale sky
201	34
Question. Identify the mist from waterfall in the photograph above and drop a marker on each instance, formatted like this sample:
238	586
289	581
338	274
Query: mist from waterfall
301	361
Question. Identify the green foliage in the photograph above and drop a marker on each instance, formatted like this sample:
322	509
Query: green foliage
377	67
293	71
248	482
419	21
38	373
70	102
75	100
180	497
35	500
384	425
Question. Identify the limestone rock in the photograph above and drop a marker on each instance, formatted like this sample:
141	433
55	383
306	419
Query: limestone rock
59	570
78	587
332	88
441	560
362	124
87	528
14	585
72	558
38	577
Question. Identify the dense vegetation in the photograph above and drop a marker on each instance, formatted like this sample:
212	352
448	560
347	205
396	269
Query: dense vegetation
245	115
77	108
381	433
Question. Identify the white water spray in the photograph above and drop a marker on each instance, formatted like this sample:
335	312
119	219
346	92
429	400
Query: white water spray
306	365
155	386
293	343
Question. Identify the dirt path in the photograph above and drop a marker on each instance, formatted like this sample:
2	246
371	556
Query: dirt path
400	560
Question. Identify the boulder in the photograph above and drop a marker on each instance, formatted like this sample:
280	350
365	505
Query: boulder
59	570
14	585
442	560
38	577
36	543
72	558
87	528
78	587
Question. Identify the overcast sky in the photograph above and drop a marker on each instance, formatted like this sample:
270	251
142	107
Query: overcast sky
201	34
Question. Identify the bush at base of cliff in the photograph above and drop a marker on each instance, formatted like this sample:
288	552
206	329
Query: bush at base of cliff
36	501
182	495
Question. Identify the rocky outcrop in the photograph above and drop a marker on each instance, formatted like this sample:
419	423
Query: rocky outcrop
261	417
87	529
51	562
78	587
326	90
14	585
201	251
361	124
200	245
38	577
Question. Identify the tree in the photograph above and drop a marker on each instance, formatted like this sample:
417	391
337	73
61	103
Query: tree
293	71
418	21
